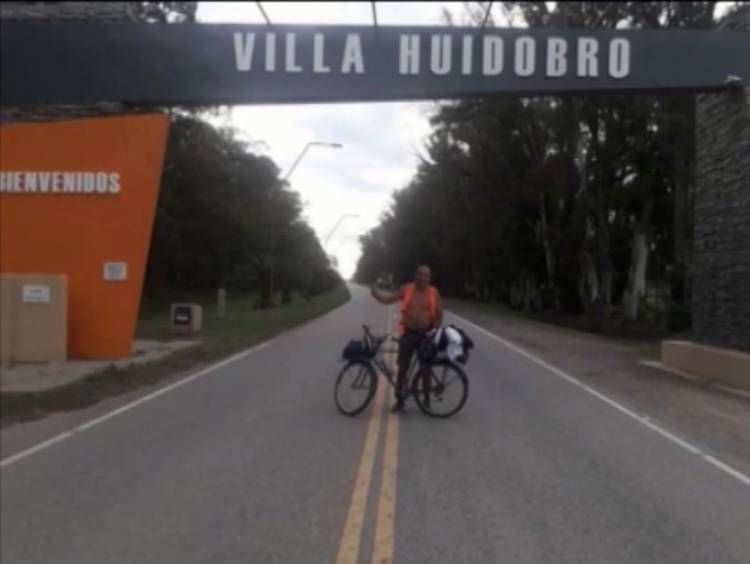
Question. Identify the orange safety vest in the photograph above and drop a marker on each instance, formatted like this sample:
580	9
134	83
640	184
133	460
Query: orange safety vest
408	291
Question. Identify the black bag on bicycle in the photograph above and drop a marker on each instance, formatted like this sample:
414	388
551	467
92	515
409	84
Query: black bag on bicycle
427	350
353	350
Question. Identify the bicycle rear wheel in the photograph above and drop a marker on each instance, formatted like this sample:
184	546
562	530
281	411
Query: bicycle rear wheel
441	389
355	387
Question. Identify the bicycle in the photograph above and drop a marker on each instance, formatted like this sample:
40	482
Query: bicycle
440	388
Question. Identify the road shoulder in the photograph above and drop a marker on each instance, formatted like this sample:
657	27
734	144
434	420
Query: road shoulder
19	434
694	409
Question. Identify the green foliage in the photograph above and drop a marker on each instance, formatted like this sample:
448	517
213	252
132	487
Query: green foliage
241	328
535	202
165	12
224	218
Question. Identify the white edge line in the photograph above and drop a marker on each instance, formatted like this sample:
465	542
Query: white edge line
640	418
737	392
675	439
41	446
94	422
728	469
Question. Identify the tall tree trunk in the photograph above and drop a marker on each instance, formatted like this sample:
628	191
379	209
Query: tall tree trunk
603	260
286	291
265	300
525	292
588	281
590	275
683	229
549	257
604	267
636	286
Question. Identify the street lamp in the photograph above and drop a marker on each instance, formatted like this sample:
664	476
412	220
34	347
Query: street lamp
343	217
271	273
338	223
302	154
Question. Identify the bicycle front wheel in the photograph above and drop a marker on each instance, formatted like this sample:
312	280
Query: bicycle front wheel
355	387
441	389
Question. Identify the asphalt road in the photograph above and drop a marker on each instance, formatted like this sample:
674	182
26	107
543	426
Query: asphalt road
252	463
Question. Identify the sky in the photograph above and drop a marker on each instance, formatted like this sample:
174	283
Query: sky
381	141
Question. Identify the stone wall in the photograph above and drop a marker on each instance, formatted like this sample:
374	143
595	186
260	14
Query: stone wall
721	244
721	236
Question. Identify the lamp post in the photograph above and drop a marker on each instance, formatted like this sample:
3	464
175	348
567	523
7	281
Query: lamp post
341	219
271	269
338	223
302	154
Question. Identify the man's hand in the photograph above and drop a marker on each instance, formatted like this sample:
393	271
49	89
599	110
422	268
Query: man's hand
376	295
385	298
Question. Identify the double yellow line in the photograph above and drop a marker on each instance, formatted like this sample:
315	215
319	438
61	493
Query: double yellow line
349	547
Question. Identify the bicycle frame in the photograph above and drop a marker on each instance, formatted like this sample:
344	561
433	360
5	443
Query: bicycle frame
379	362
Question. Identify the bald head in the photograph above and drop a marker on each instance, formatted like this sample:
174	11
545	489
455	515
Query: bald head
423	276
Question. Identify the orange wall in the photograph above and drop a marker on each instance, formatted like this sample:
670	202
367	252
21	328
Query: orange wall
75	233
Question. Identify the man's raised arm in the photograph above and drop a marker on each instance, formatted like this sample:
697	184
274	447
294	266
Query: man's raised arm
386	297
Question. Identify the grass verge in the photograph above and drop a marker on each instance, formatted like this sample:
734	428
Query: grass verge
241	328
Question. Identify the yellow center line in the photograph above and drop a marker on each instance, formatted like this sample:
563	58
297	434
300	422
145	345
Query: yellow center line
385	524
355	516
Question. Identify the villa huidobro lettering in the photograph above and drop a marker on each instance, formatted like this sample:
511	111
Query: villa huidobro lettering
440	54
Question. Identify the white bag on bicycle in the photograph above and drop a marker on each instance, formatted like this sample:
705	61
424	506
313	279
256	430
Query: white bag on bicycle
449	343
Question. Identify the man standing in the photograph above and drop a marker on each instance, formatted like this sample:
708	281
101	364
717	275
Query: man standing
421	312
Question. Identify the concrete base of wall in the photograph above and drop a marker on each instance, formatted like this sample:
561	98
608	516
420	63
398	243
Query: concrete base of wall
33	327
725	366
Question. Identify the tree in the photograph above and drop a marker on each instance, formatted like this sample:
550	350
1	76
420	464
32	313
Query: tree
165	12
217	207
574	203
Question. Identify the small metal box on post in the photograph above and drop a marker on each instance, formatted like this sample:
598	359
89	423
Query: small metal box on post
185	319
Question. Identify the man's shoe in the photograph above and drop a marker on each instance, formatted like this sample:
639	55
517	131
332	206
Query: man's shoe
398	406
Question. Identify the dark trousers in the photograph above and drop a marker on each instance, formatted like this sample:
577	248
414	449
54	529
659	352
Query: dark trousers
408	344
